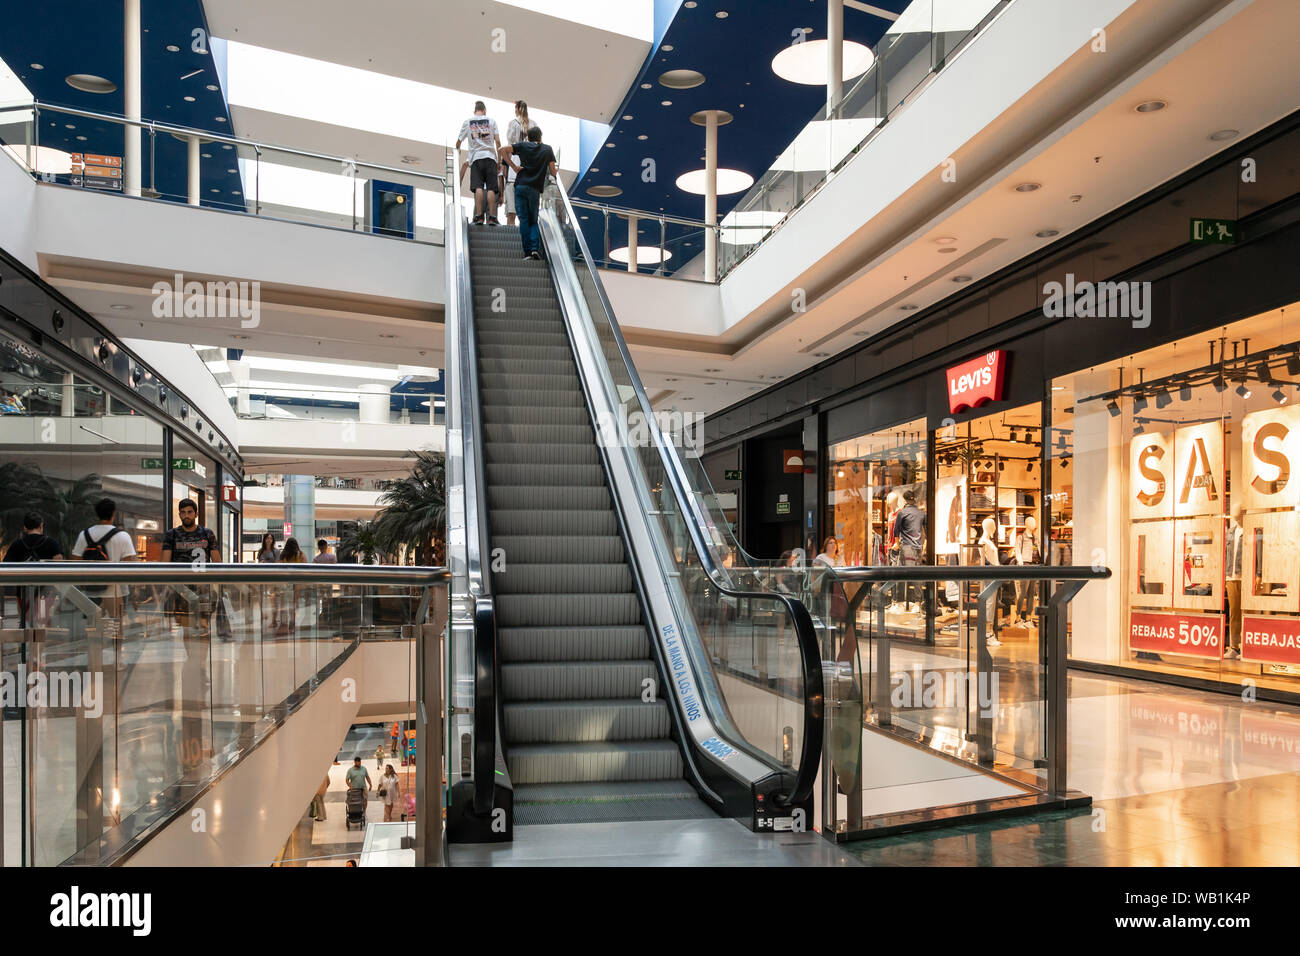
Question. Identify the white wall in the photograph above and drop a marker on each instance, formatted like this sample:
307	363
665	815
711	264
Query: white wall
342	438
181	366
17	223
654	304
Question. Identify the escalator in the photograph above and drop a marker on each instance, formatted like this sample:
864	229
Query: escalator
602	664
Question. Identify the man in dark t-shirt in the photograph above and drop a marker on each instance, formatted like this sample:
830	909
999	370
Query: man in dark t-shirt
32	545
190	541
531	161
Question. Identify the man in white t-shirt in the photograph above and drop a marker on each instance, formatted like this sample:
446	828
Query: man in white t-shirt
484	143
105	541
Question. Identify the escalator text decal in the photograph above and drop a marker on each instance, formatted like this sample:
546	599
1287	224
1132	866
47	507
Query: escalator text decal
677	662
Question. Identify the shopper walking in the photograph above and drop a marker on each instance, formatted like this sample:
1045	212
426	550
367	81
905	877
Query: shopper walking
33	545
292	553
909	534
480	134
532	161
268	553
323	553
516	132
358	778
390	792
318	803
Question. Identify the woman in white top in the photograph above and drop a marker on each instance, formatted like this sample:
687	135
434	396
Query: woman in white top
516	132
830	556
392	791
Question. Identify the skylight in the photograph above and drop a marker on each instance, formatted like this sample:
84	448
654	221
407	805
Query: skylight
629	18
291	85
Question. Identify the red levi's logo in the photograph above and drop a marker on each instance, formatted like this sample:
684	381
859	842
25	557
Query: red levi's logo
973	383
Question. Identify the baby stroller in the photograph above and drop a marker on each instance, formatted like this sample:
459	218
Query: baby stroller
356	807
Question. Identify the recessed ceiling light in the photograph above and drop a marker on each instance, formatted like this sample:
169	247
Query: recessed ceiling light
1028	187
665	102
38	66
604	192
647	86
1151	106
205	155
961	278
212	87
821	355
908	307
713	370
618	174
690	4
593	170
1221	135
1047	233
944	240
729	181
722	14
947	249
609	145
643	136
81	139
670	380
119	307
861	334
215	189
387	335
681	79
227	146
232	171
173	48
667	48
710	383
627	116
70	125
235	192
240	336
220	119
188	99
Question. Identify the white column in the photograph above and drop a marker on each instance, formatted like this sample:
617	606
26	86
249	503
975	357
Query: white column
711	196
834	54
631	243
193	145
68	401
374	405
131	91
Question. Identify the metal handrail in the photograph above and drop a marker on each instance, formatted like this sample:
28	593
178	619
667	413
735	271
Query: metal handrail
641	214
810	653
971	572
160	572
156	126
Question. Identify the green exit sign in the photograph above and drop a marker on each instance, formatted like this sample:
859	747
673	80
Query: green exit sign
156	464
1214	231
783	507
733	474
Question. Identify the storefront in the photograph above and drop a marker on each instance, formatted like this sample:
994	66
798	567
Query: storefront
1127	398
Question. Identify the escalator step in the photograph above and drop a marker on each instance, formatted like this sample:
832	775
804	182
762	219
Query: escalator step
567	549
527	722
521	578
537	644
533	415
548	498
586	476
531	523
553	609
575	680
508	454
611	802
595	762
552	398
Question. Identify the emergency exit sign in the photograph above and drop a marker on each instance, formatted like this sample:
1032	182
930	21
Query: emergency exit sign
733	474
156	464
1214	231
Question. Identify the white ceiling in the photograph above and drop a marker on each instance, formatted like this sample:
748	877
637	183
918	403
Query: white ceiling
555	64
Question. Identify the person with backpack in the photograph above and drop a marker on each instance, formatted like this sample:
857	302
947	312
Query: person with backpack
33	545
105	541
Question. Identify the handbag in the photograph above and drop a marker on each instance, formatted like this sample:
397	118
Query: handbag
383	791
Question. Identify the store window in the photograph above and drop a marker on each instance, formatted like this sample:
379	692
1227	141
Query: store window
1177	469
870	480
194	476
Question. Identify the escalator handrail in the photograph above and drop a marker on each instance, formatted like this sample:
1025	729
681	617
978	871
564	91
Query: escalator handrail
809	651
486	667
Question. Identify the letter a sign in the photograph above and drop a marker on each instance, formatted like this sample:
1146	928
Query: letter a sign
976	382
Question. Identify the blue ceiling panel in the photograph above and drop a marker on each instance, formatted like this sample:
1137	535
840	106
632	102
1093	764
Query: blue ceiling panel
67	37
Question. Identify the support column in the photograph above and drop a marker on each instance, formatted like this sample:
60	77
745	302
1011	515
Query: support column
632	243
68	400
193	178
300	510
834	55
131	91
711	196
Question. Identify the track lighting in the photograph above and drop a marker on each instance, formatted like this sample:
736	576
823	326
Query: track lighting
1219	384
1139	404
1113	407
1029	466
1242	390
1164	400
1279	396
1293	363
1002	466
1185	393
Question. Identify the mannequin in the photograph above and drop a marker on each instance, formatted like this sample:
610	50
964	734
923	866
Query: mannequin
893	504
988	546
1027	552
1232	584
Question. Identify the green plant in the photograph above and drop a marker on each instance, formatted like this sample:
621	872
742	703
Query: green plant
415	510
363	540
68	506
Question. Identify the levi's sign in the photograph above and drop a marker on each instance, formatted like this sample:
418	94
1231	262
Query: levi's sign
976	382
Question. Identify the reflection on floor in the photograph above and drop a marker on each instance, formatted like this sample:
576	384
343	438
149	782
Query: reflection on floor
1178	778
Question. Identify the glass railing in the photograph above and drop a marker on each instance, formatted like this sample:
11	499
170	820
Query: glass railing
156	679
917	46
203	168
750	650
666	245
931	655
379	407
